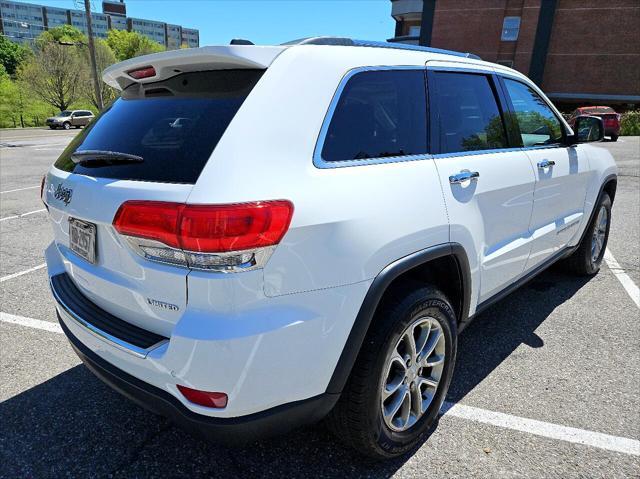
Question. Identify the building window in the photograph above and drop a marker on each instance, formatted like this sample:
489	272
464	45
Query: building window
510	29
414	31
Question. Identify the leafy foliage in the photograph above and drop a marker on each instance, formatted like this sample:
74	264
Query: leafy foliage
104	58
65	34
55	74
127	45
12	54
630	123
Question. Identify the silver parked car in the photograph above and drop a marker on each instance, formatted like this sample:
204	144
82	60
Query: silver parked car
68	118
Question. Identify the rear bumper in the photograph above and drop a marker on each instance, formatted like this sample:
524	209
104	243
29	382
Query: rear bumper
237	430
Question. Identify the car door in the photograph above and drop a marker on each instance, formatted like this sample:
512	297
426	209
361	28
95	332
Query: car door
487	183
561	171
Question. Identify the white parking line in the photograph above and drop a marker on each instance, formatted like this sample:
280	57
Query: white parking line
627	283
506	421
20	189
20	273
544	429
22	215
30	323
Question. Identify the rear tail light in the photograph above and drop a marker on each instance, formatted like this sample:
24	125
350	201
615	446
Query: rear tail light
213	237
204	398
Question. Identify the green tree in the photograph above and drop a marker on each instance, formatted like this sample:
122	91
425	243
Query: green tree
55	74
65	34
12	54
104	58
127	45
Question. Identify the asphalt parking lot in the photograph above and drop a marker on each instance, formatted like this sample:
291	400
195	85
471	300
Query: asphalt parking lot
547	381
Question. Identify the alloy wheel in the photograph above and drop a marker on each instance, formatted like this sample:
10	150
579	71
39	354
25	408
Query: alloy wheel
412	373
599	233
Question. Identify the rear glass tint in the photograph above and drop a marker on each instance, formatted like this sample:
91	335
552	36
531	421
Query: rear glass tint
174	125
380	114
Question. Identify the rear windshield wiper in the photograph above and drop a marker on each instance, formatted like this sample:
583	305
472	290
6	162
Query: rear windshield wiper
104	157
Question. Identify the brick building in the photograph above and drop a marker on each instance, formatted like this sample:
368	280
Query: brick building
580	52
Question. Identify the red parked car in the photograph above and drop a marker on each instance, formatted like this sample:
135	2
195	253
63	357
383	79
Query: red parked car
610	118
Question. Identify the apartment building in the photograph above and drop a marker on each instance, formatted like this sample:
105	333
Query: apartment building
24	22
579	52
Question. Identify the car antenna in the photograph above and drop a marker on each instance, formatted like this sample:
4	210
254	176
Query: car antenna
241	41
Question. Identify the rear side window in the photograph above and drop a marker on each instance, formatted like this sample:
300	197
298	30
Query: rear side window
468	113
379	114
174	125
538	124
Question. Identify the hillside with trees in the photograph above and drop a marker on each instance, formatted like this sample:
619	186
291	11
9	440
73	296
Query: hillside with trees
54	74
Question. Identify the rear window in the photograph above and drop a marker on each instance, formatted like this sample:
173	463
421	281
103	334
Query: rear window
380	114
174	125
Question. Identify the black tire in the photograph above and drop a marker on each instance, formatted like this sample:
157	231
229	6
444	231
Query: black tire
52	127
66	125
581	262
357	418
77	127
614	137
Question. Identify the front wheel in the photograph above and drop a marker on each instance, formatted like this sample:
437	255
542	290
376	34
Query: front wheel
614	137
66	125
586	260
401	376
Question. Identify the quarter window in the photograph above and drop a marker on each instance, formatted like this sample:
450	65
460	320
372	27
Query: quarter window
538	124
468	113
379	114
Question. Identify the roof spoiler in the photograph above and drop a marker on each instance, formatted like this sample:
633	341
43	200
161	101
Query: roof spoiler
170	63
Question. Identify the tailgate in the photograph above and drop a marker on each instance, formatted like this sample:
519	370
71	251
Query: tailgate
147	294
149	145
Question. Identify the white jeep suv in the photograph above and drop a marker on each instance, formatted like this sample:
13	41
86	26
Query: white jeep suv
256	237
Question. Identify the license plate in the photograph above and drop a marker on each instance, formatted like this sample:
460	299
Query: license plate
82	239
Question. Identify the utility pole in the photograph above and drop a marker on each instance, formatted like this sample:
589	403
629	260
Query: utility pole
92	54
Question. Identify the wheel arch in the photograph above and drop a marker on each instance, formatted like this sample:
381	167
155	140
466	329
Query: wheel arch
434	261
610	186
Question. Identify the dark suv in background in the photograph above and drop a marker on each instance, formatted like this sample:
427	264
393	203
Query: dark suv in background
68	118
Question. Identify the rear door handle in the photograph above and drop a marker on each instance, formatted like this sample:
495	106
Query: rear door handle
463	176
546	163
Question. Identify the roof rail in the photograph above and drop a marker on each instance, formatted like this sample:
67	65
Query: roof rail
343	41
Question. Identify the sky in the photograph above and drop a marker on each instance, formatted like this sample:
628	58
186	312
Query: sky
262	21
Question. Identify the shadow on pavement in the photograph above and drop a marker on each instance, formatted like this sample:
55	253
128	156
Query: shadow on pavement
73	425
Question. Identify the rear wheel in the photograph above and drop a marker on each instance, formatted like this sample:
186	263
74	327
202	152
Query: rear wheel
66	125
52	127
614	137
401	376
586	260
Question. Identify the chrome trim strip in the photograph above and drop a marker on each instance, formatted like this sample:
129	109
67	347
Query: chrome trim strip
492	151
103	335
319	162
259	256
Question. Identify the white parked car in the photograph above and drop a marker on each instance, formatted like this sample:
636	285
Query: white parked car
313	237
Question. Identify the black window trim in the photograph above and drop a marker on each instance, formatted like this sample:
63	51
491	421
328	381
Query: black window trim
516	128
321	163
501	102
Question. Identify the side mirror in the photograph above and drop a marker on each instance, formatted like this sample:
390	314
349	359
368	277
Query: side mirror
587	129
